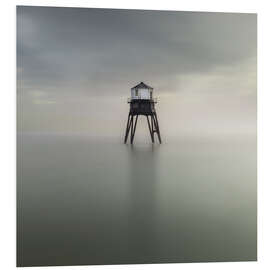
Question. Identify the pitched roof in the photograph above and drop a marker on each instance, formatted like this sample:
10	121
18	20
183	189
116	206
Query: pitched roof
142	85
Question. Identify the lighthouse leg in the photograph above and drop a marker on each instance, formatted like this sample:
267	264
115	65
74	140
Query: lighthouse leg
131	126
152	128
128	127
134	129
151	134
157	127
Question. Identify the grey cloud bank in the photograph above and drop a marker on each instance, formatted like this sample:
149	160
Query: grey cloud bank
75	68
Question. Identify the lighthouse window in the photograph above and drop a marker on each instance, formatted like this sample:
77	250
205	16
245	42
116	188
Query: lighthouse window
136	92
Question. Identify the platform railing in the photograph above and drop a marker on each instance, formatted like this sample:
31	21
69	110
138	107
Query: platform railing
139	98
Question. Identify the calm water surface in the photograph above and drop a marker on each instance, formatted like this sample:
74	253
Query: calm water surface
83	200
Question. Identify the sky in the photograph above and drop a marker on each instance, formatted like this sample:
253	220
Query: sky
75	68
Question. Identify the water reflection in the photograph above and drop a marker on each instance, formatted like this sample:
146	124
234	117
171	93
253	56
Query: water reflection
143	202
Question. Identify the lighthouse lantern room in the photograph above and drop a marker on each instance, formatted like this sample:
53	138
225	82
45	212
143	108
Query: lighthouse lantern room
142	91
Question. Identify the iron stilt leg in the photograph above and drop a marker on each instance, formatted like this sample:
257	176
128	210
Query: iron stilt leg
134	129
128	127
157	127
150	129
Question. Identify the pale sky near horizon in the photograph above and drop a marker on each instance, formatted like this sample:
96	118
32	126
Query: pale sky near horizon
75	68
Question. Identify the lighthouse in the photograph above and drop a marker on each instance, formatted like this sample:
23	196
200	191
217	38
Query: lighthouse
142	103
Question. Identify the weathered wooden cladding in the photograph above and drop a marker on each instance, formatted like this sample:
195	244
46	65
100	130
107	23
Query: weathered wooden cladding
142	107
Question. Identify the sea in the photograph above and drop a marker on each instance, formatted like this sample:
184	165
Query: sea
84	200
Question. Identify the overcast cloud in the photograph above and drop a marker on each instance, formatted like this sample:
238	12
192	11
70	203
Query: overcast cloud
75	68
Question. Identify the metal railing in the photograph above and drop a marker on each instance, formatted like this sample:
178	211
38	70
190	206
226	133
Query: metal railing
138	98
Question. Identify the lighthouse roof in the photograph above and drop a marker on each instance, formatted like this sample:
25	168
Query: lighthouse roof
142	85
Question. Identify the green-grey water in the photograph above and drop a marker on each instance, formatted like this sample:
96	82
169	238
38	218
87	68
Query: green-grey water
84	200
